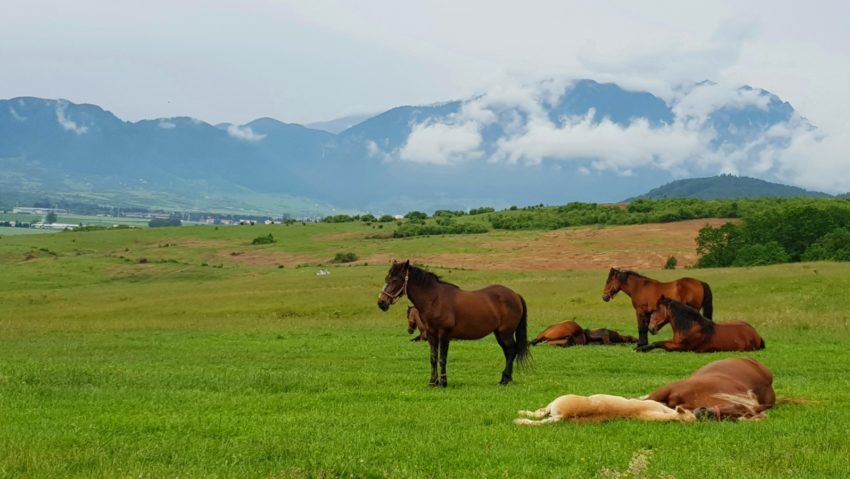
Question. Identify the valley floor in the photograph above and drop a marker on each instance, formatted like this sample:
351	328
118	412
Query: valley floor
189	352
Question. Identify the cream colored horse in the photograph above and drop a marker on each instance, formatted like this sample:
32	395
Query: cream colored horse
601	407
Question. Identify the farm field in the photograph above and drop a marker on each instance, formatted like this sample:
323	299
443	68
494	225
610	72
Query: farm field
190	352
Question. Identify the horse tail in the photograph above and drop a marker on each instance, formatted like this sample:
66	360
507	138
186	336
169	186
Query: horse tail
707	301
761	346
523	354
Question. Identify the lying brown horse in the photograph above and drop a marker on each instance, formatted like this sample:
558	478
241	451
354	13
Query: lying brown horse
414	322
727	389
646	291
569	333
449	312
693	332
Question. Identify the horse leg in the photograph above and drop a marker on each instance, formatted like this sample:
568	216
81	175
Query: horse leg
509	349
529	422
444	355
433	343
538	414
643	328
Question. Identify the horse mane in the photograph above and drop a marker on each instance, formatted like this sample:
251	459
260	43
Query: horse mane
626	273
425	278
684	316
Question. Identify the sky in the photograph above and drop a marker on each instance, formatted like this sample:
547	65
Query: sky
306	61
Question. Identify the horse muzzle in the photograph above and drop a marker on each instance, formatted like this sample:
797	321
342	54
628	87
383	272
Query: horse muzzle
606	297
410	330
383	305
653	330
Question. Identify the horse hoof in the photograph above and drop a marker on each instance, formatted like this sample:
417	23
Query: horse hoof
505	381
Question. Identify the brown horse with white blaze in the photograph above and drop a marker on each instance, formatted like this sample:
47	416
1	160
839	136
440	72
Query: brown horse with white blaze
693	332
645	292
449	312
735	388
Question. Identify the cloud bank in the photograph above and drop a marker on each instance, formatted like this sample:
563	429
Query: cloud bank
706	136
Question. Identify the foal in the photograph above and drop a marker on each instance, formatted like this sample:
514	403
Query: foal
601	407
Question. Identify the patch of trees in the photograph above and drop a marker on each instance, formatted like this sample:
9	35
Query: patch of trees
787	231
161	222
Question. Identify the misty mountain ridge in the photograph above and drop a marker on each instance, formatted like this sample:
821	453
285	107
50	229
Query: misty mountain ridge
552	142
727	187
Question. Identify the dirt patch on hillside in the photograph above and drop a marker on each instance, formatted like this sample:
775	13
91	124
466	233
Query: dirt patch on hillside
633	246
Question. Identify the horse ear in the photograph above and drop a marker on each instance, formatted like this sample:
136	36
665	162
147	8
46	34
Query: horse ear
406	264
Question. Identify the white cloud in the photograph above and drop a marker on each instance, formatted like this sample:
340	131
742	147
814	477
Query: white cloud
442	144
17	116
166	125
67	123
687	146
244	133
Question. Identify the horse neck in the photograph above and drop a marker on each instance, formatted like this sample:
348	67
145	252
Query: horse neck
693	318
634	283
421	296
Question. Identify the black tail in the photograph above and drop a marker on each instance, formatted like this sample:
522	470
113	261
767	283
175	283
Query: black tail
762	344
523	354
707	301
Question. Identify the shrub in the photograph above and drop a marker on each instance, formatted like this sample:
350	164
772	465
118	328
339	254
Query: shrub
416	216
265	239
671	263
345	258
386	219
834	246
761	254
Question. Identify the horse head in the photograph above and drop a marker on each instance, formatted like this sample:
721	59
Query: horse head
395	285
661	315
615	281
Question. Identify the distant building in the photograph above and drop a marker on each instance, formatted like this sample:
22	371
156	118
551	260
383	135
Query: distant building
36	211
54	226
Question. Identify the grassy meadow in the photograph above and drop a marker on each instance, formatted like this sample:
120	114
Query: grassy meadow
190	352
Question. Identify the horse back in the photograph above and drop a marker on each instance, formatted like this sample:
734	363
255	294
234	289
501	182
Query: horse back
736	336
687	290
478	313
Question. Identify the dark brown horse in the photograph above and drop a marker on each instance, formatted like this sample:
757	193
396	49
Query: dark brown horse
449	312
414	322
693	332
727	389
569	333
646	291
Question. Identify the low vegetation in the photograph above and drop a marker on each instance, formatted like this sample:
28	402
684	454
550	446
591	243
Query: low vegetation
109	365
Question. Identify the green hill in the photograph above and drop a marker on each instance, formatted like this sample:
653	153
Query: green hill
727	187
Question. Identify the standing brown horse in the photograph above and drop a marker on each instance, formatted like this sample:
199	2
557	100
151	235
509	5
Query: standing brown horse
569	333
449	312
727	389
646	291
693	332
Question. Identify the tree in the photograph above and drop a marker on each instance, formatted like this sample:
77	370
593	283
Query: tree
51	218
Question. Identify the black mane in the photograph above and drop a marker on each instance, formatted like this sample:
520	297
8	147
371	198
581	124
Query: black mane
624	275
425	278
684	316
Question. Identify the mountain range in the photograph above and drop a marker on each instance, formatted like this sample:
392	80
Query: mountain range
549	142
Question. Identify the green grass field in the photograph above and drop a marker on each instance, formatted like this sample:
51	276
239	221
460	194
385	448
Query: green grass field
208	359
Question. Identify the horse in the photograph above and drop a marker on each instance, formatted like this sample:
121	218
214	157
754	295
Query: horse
646	291
569	333
414	322
735	388
693	332
449	312
601	407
